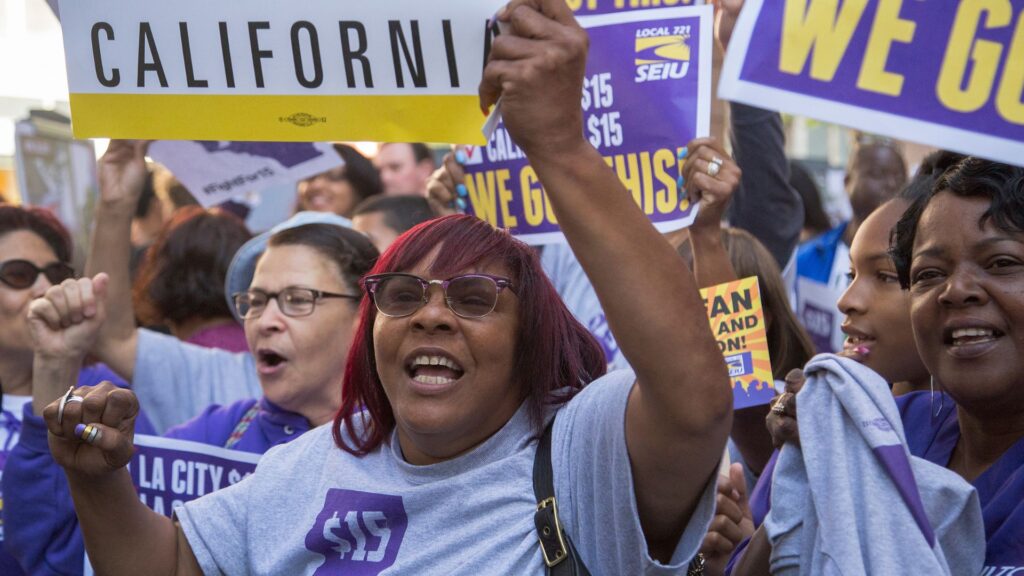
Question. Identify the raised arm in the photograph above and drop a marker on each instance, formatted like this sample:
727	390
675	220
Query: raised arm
766	205
121	534
712	195
679	413
122	173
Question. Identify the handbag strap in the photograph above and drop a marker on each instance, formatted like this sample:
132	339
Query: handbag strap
556	547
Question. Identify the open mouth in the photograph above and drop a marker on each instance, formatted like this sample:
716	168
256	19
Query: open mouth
269	359
970	336
434	370
855	341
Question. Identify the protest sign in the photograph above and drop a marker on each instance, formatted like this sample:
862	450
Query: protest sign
817	310
646	93
218	171
949	75
588	7
737	321
57	172
167	472
264	70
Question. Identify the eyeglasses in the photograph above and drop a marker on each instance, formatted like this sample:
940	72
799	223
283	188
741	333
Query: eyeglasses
292	301
469	296
21	274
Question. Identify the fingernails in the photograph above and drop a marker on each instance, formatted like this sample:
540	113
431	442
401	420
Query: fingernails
79	429
460	157
683	152
461	190
460	204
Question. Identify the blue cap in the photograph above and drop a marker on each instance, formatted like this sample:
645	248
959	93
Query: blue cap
243	265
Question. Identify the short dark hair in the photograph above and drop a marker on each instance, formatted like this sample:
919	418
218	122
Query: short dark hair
40	222
1001	184
183	273
931	169
359	171
421	152
400	212
802	181
353	252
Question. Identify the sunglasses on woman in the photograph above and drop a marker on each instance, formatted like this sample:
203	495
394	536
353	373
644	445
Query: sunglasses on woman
21	274
469	296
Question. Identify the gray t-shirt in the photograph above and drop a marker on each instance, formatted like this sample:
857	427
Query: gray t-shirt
312	508
175	380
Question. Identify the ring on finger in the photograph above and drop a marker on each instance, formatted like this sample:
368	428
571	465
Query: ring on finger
779	407
714	167
69	396
91	434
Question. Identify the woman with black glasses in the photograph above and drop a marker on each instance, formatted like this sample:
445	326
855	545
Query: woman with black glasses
35	254
463	357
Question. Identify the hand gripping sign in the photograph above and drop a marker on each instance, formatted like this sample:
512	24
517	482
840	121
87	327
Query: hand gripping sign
646	93
737	321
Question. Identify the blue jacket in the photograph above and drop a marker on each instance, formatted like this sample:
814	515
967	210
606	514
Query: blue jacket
42	529
22	479
815	257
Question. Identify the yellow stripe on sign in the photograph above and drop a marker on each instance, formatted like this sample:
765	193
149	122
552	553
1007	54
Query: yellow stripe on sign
455	119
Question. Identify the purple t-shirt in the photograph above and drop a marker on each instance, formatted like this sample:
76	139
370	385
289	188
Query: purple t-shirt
230	337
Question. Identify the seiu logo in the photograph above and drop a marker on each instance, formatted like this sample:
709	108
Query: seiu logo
739	364
660	55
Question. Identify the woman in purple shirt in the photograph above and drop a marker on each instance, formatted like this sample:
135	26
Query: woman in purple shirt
959	250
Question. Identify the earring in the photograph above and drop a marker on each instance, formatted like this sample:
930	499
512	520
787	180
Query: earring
942	399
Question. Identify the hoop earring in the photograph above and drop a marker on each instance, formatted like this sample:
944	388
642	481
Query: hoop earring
942	399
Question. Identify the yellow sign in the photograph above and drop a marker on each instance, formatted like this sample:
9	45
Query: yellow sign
737	321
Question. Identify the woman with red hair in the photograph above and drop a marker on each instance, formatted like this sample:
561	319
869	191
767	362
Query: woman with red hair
476	417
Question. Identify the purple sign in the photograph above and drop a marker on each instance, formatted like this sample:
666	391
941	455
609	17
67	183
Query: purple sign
818	323
169	472
358	533
588	7
646	94
949	77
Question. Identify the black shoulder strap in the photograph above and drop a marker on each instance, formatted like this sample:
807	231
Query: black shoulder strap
557	549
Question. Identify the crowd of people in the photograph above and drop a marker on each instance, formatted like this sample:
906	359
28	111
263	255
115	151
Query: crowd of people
430	395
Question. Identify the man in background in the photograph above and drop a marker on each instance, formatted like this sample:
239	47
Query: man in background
385	218
404	168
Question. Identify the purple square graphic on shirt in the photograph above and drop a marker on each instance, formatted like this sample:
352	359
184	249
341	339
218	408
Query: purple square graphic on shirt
358	533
